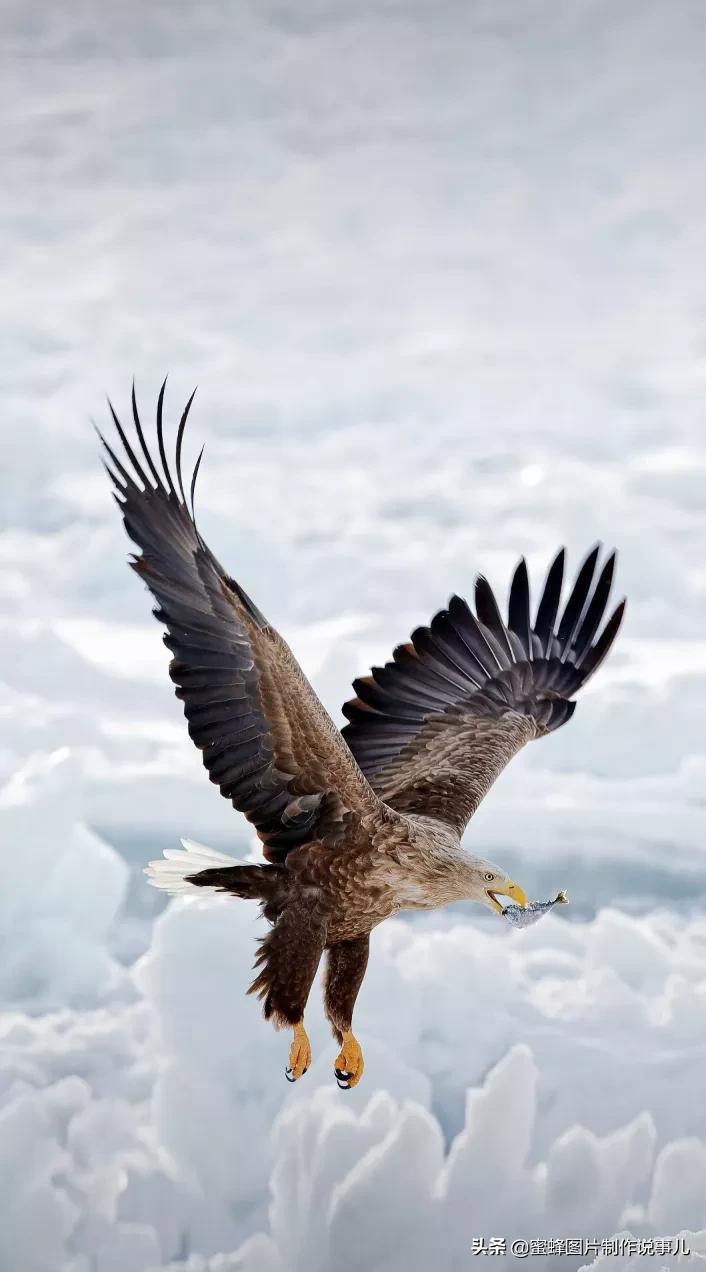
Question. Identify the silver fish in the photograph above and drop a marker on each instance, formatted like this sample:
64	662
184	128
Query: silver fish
522	918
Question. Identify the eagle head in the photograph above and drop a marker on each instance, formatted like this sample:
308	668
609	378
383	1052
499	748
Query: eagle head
487	882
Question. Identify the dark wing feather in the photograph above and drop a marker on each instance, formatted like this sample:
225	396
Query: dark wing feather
432	729
519	608
265	738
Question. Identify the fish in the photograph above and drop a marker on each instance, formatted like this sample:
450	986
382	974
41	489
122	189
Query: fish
522	917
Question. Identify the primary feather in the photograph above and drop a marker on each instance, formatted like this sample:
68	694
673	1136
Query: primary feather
428	732
241	687
432	728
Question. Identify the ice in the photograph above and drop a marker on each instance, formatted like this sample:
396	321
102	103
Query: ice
138	1126
679	1186
62	889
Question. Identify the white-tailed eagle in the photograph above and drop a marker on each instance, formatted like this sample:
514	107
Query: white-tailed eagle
360	823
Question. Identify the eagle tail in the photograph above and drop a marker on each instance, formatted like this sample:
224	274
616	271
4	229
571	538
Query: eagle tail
195	866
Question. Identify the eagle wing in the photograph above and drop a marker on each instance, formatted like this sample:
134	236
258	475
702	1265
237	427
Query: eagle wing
432	729
266	740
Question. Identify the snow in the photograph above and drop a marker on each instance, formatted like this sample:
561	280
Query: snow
435	270
540	1082
64	885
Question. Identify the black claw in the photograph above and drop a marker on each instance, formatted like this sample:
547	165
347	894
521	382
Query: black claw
287	1072
343	1086
305	1070
343	1079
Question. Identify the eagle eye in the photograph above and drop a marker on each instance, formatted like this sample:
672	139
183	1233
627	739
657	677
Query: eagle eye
489	876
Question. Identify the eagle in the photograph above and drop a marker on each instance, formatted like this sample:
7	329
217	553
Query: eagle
360	823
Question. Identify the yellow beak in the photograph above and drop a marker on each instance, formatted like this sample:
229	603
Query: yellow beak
512	890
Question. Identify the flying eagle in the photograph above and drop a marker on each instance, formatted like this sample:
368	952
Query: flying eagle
360	823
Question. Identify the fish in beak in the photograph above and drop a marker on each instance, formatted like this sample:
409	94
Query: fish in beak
511	890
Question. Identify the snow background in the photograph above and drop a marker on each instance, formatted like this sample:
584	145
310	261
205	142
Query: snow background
436	269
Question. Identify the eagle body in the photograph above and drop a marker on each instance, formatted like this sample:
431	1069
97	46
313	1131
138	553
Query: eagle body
360	823
405	863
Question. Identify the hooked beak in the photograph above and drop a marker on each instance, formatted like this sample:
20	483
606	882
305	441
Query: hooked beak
512	890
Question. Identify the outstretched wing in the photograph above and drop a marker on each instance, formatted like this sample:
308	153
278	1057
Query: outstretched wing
433	729
266	739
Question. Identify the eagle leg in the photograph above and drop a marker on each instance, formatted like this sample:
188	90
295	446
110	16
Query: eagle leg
345	968
299	1054
349	1064
288	960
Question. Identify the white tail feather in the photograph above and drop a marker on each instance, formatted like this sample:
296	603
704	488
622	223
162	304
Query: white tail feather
169	873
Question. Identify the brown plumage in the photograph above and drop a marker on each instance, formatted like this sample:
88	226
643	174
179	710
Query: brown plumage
358	824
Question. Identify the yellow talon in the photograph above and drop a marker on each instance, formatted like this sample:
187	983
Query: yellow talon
349	1064
299	1054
